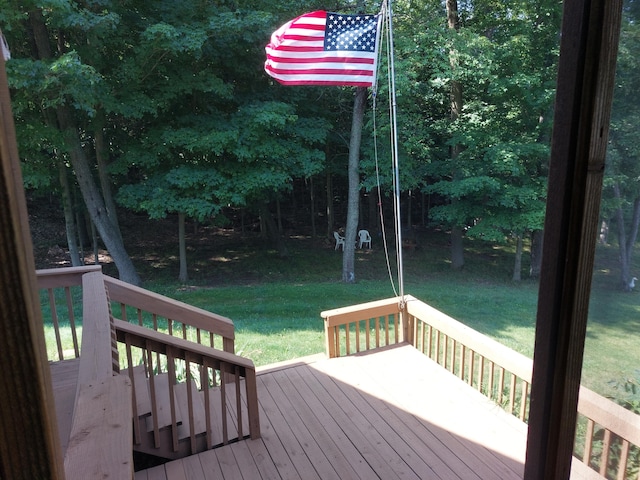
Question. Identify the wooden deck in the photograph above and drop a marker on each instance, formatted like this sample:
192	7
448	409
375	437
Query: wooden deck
389	414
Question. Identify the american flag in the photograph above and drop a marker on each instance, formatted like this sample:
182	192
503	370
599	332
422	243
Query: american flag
324	48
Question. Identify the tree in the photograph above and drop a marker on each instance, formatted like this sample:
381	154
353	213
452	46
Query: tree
621	189
66	89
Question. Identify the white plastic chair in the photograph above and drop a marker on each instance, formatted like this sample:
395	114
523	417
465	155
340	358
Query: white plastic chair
364	238
339	240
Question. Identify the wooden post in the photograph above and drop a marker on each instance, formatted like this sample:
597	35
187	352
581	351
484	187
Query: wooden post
589	45
29	444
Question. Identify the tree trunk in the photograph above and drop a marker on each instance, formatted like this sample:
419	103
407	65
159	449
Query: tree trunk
517	264
279	216
536	253
312	199
457	252
92	198
108	231
105	180
69	220
626	241
330	209
348	256
183	276
457	248
94	242
271	230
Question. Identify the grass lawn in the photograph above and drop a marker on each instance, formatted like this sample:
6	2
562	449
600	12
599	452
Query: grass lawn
275	303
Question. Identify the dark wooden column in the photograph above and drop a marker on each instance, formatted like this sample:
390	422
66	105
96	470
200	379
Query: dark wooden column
588	49
29	446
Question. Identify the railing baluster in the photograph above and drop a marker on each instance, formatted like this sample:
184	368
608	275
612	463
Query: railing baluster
134	399
347	340
171	371
72	321
454	345
604	458
238	402
54	320
223	398
463	361
492	367
624	457
395	328
445	352
588	442
386	329
152	393
357	336
524	394
204	384
377	323
189	380
512	393
480	372
368	333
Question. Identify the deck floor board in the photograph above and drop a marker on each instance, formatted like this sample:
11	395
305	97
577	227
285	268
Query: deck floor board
392	414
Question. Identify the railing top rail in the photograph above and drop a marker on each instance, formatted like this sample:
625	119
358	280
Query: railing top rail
169	308
95	360
494	351
164	341
339	316
610	415
64	277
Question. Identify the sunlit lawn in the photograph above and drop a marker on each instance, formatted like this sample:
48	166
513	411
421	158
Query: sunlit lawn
276	303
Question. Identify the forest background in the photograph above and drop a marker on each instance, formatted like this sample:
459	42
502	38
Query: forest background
145	111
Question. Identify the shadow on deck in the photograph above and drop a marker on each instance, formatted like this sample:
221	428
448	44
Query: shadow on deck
390	413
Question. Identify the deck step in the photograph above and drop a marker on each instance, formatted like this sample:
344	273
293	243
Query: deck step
143	399
182	402
163	406
182	416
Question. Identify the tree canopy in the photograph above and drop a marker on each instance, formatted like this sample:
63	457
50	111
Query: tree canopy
164	108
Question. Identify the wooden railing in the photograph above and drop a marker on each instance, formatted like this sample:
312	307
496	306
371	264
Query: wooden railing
608	444
146	308
362	327
101	425
163	346
498	372
62	306
61	303
206	395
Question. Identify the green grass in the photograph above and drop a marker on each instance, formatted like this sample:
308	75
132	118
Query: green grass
275	303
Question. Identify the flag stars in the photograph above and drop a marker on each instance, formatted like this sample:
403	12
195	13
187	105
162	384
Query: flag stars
351	32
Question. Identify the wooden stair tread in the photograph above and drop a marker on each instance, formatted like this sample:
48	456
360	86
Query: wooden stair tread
163	406
182	401
143	399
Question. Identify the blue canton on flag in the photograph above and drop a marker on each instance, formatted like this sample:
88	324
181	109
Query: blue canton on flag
351	32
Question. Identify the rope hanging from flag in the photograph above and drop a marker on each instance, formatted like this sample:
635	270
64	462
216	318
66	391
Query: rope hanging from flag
324	48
